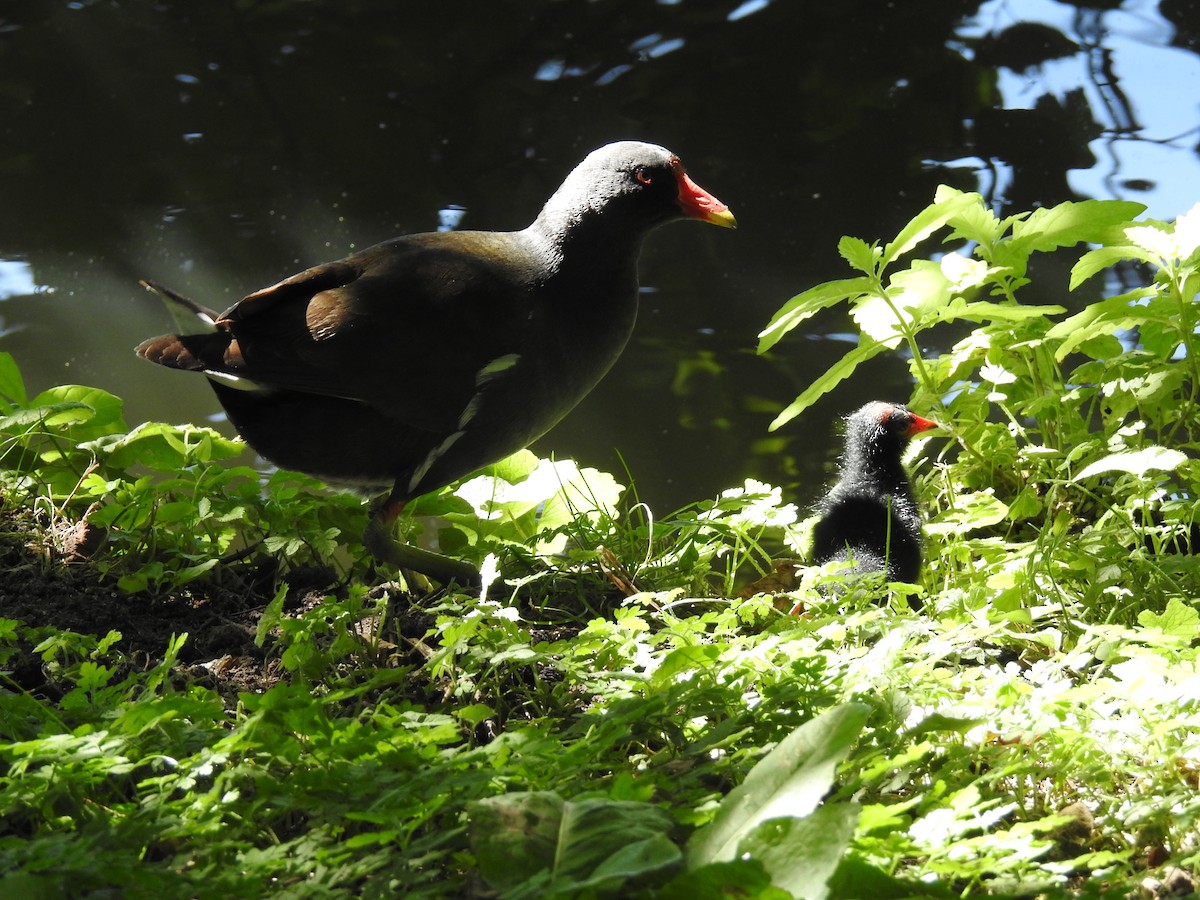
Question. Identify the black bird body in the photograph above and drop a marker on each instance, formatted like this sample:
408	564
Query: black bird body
870	516
416	361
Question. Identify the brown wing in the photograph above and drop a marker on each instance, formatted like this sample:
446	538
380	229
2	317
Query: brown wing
405	326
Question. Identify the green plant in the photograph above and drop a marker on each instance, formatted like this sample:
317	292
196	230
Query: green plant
1036	408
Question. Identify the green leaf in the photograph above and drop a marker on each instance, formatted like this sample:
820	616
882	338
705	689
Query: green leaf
1070	223
1099	319
164	447
859	254
271	616
591	843
474	713
800	854
743	879
789	781
1101	258
986	311
856	878
975	222
804	306
55	415
834	375
970	511
1177	619
1135	462
912	293
106	409
927	221
12	386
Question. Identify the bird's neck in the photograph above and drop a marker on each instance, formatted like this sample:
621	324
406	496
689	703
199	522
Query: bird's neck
881	470
581	240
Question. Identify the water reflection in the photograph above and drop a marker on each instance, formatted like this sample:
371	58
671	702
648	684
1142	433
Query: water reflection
16	278
450	217
1142	92
224	164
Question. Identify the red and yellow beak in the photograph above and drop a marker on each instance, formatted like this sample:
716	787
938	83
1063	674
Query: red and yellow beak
697	203
918	424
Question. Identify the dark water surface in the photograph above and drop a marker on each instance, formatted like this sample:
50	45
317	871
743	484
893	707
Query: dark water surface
219	146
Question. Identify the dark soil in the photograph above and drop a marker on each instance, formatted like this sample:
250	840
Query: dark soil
42	585
53	579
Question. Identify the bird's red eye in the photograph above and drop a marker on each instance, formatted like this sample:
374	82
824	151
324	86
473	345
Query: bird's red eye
643	176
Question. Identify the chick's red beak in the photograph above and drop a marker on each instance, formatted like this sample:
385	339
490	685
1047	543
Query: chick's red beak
918	424
697	203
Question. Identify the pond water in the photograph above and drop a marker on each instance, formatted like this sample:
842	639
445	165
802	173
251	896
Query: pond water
218	147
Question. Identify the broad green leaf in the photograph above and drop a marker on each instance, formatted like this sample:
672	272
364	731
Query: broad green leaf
187	574
790	781
1187	233
986	311
164	447
1100	259
514	468
912	293
106	409
926	222
964	273
976	222
552	494
632	861
1097	319
1071	222
859	254
22	421
515	835
804	306
936	723
1155	239
970	511
1177	619
800	854
1135	462
474	713
834	375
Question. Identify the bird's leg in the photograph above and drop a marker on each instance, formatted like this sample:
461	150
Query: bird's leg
381	543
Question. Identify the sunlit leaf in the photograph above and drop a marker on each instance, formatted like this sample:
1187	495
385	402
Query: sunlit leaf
911	293
926	222
1071	222
1156	240
1178	619
1100	259
842	369
986	311
859	254
807	304
969	512
1187	233
1135	462
1099	319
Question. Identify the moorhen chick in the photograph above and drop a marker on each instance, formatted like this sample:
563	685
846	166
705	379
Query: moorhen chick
419	360
870	517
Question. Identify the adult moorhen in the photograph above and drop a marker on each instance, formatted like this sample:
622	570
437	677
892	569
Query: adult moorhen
870	517
422	359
